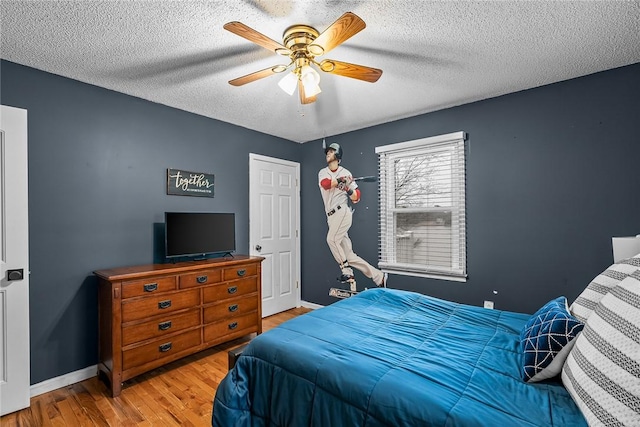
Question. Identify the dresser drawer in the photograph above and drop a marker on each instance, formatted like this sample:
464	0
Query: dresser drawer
161	304
240	271
231	308
148	286
159	349
162	326
220	329
230	290
205	277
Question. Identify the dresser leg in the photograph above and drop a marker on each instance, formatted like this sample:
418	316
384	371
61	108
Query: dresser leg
116	385
113	382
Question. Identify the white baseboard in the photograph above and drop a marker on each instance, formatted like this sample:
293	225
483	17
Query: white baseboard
63	380
311	305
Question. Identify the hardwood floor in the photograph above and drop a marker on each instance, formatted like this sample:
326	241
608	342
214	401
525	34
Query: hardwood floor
178	394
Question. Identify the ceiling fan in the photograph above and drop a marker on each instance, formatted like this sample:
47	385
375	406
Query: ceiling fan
302	44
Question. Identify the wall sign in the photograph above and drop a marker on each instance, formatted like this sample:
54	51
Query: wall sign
185	183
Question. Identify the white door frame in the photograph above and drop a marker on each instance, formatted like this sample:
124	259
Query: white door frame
252	251
14	256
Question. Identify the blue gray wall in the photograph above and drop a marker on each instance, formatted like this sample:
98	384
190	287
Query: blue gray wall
552	174
98	161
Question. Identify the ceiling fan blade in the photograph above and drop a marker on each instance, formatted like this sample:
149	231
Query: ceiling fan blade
354	71
345	27
304	99
254	36
253	76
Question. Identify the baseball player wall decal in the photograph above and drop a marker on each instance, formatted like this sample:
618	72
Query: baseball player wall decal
338	188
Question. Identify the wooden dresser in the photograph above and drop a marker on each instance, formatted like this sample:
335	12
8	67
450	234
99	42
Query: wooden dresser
150	315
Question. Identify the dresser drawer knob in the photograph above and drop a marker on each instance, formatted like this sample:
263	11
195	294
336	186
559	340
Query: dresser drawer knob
201	279
233	325
233	308
164	325
232	289
242	272
165	347
150	287
164	304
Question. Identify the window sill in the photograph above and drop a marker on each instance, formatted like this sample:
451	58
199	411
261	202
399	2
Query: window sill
427	275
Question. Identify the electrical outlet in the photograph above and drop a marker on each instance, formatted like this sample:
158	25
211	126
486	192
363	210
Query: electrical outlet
488	304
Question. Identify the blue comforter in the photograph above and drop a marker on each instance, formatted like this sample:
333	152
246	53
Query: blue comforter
390	358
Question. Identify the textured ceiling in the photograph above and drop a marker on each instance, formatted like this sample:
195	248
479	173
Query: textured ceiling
433	54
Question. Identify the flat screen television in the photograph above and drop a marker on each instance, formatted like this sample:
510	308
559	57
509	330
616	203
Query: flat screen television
199	234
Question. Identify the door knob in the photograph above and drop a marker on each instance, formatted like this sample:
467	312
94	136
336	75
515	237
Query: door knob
258	248
15	274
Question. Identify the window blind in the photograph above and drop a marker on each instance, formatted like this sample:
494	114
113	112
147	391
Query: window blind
422	207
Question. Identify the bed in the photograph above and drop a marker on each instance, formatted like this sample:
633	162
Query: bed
391	358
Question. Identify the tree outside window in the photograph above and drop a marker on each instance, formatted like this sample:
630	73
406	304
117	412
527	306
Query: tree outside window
422	207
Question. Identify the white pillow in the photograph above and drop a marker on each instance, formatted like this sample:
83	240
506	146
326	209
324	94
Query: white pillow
602	371
586	302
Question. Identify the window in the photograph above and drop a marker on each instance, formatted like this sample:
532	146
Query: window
422	211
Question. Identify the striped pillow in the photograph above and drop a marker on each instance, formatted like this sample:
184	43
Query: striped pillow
586	302
602	372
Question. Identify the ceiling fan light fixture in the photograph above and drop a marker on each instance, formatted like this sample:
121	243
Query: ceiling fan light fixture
310	80
289	83
311	90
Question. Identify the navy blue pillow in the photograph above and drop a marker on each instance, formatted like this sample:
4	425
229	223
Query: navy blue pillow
546	340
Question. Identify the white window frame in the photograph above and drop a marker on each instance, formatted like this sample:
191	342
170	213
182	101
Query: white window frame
388	154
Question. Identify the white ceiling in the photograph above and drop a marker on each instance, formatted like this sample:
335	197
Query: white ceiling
434	54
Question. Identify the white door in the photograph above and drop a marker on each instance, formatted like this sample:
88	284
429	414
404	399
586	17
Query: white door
14	262
274	210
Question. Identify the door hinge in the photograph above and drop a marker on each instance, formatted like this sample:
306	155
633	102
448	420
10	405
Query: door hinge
296	233
296	284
